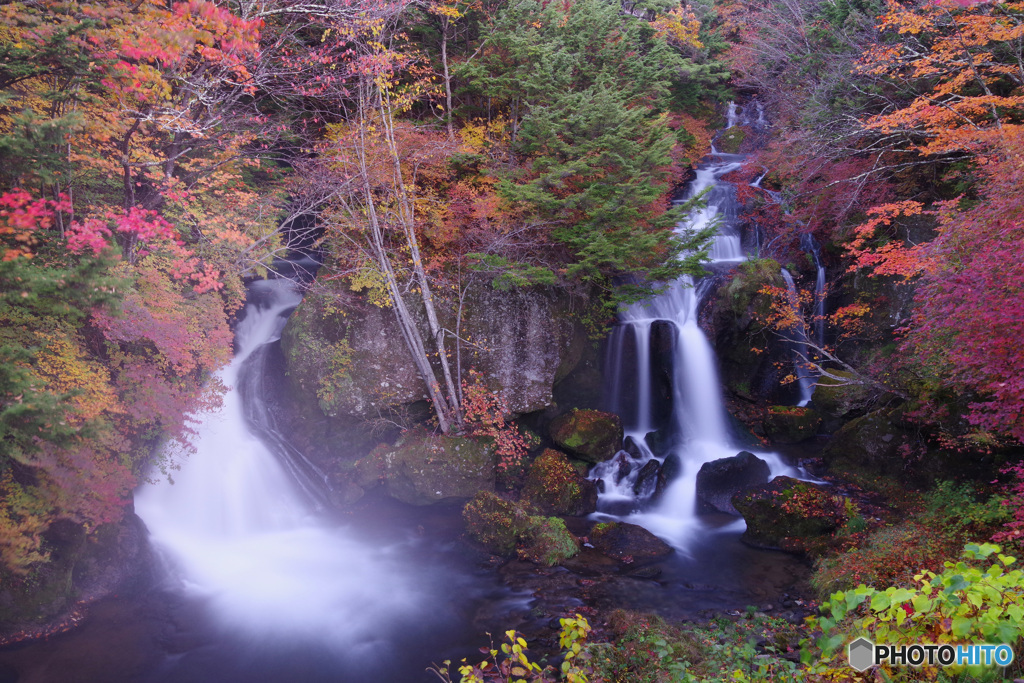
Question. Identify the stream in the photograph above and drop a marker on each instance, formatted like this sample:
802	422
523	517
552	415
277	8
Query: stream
255	579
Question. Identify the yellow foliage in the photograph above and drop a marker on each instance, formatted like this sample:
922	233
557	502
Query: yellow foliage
370	279
679	27
478	135
65	368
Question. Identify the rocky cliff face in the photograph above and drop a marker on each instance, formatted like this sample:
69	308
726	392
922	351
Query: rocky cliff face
750	356
352	362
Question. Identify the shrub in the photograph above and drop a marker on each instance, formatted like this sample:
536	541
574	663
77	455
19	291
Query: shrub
978	599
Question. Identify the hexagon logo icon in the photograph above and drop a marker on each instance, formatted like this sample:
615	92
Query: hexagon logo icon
861	653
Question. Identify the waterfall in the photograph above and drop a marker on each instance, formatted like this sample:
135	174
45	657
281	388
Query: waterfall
696	431
731	115
798	343
237	525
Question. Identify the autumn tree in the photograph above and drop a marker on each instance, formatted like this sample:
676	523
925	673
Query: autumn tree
960	63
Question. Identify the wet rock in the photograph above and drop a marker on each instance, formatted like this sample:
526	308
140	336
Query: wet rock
591	435
632	448
345	494
423	469
627	542
554	487
623	466
82	567
659	442
791	424
671	467
747	368
719	480
649	572
647	479
788	514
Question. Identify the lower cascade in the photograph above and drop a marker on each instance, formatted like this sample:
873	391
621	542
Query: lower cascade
238	531
684	425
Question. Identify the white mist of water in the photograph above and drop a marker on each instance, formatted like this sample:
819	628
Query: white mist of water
237	531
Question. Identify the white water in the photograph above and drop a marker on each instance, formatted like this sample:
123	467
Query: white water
238	532
698	415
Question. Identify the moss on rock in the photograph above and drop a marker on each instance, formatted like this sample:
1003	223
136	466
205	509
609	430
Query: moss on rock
731	140
554	487
835	399
423	469
788	514
496	523
549	542
590	435
750	355
505	528
873	443
791	424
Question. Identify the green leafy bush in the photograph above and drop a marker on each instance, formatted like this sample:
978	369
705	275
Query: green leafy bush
977	599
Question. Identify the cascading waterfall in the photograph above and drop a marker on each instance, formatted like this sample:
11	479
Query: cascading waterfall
697	429
237	527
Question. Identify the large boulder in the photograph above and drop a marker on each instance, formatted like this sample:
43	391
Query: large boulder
836	398
590	435
788	514
423	469
627	542
873	443
554	487
791	424
353	361
506	528
496	523
82	567
719	480
548	542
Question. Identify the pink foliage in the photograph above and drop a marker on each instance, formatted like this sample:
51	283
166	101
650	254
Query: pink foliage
970	317
90	235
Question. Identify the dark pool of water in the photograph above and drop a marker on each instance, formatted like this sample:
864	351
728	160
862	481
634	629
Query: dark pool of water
159	636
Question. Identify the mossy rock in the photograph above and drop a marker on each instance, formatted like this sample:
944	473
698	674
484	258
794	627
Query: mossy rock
750	356
627	542
554	487
873	443
791	424
731	140
788	514
496	523
423	469
548	542
590	435
839	400
506	528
